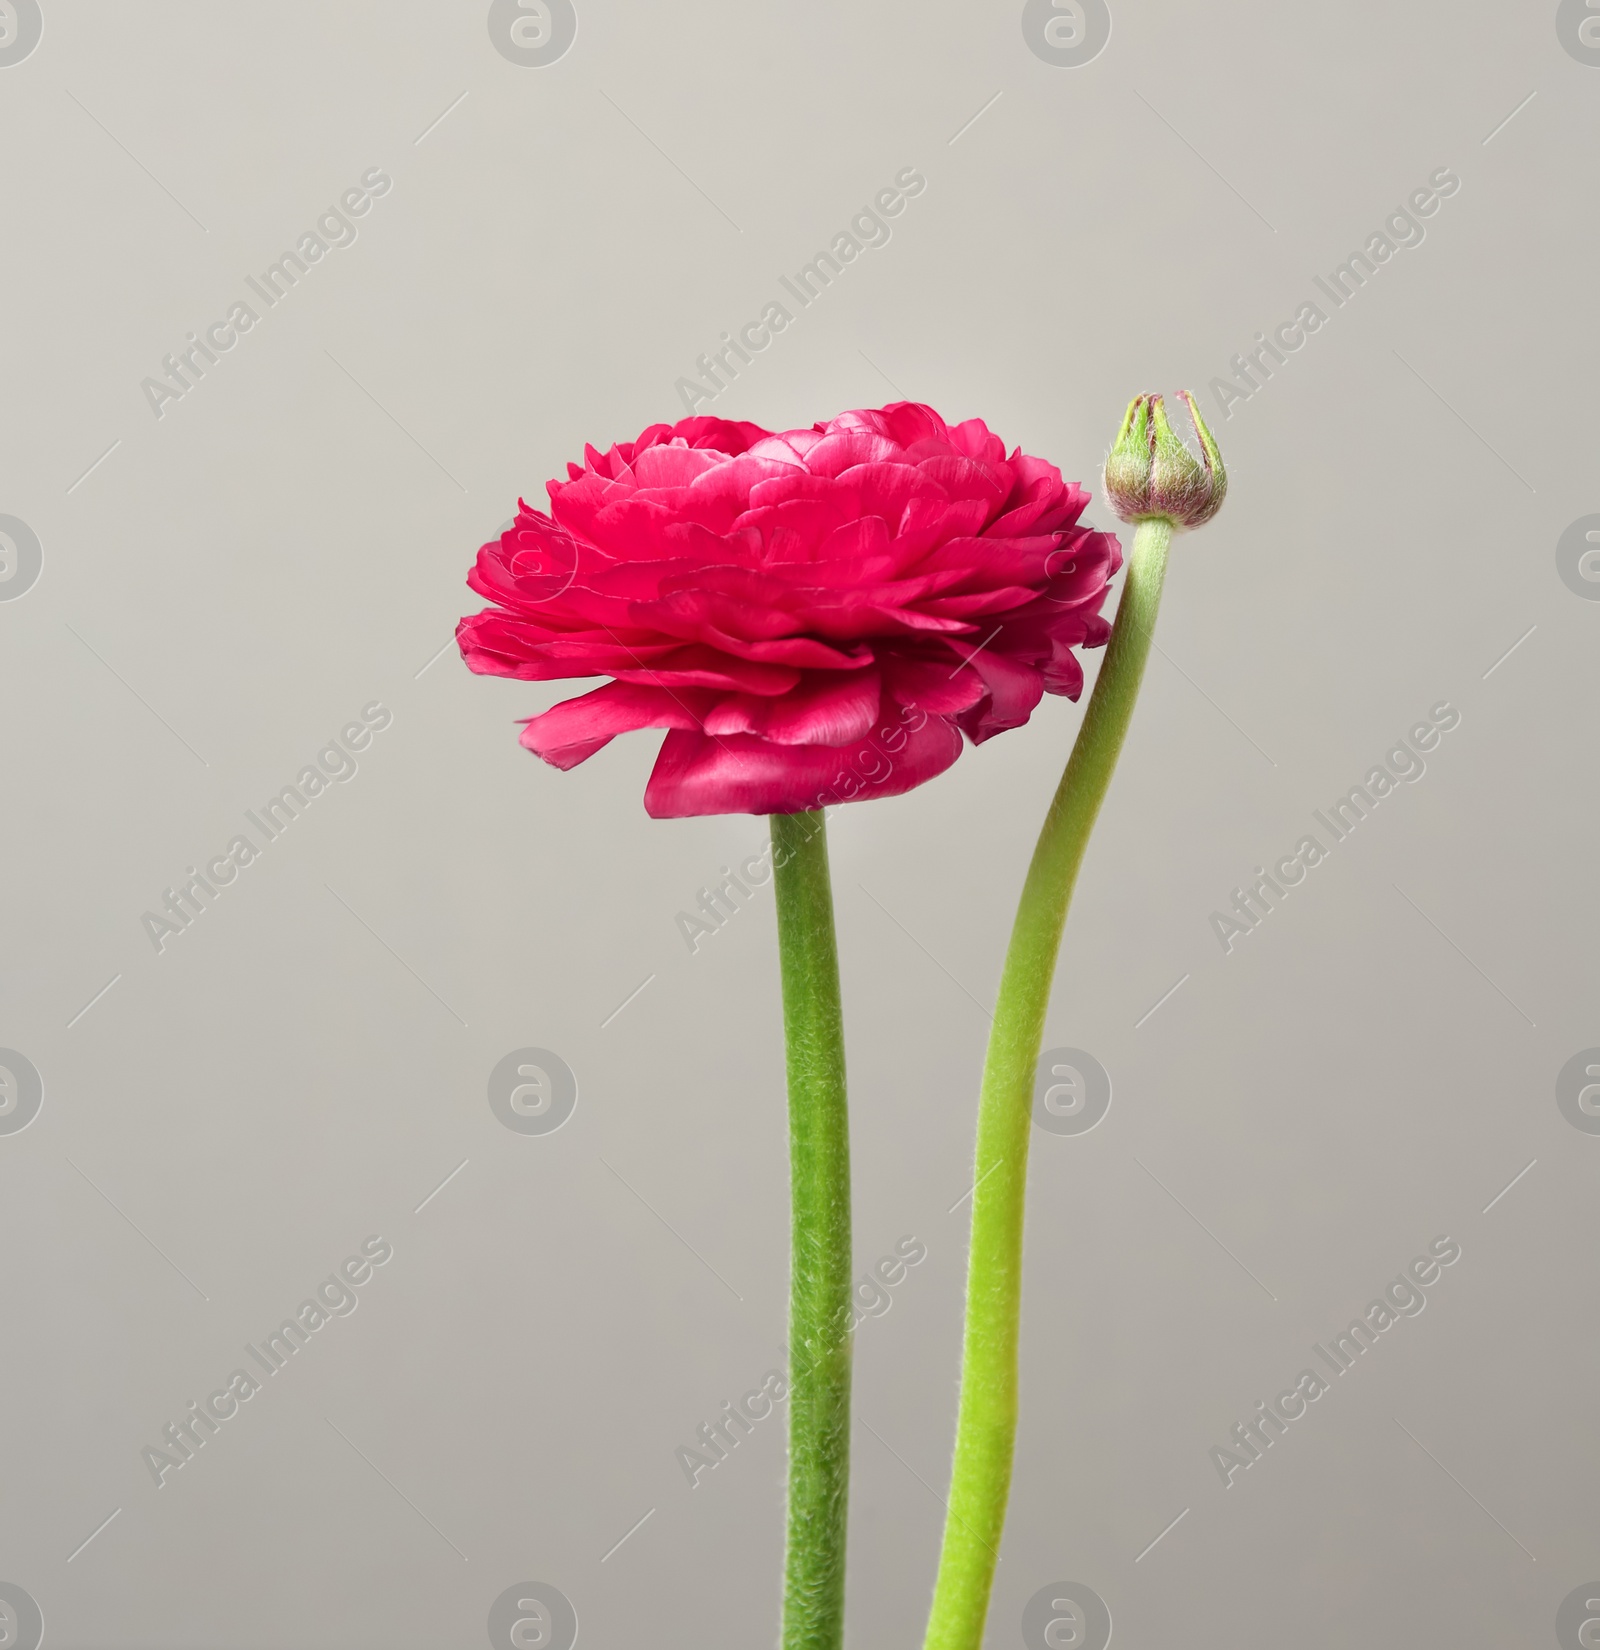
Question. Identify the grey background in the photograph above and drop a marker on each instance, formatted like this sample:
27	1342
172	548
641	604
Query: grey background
302	1068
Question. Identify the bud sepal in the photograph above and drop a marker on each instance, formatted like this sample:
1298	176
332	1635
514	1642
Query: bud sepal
1150	474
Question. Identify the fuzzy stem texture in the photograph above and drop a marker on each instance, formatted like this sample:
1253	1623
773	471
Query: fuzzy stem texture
819	1284
986	1424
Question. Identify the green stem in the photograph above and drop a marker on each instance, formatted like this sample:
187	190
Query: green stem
986	1424
819	1280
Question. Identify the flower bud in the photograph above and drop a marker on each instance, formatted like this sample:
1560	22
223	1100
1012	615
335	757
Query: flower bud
1149	472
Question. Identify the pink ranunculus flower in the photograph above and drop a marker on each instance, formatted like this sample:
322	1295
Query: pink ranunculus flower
815	616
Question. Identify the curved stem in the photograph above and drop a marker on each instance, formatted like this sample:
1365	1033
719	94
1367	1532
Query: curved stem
987	1420
819	1282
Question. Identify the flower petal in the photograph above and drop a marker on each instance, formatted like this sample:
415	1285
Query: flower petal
776	600
827	708
1014	690
741	774
571	732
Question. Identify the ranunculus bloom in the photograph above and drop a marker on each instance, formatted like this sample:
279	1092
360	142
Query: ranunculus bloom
815	616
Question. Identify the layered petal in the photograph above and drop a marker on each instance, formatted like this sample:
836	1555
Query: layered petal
807	612
571	732
697	774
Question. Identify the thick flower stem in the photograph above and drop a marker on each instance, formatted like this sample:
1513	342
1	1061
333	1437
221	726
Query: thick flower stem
987	1420
819	1283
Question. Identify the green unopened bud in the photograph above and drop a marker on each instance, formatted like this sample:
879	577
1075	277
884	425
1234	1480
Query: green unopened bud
1150	473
